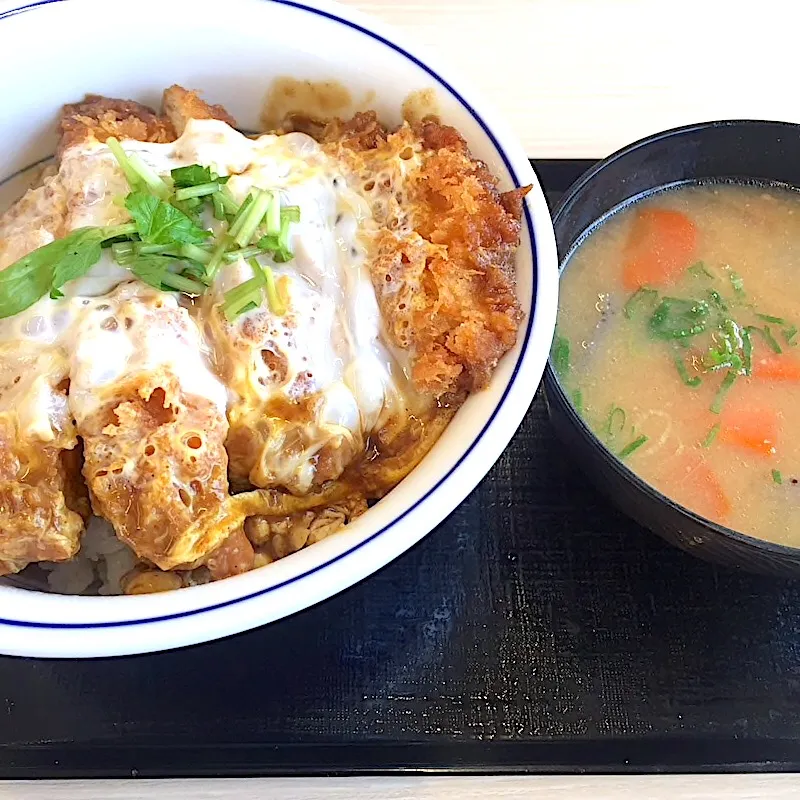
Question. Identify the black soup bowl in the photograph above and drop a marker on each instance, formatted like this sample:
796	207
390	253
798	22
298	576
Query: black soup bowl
741	151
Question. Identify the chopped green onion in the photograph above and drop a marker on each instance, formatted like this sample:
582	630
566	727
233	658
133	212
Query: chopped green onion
56	294
561	355
274	214
117	231
217	257
252	218
182	284
123	252
124	162
632	446
711	435
239	218
228	203
771	341
245	252
219	206
747	351
241	296
698	269
153	249
777	477
197	191
637	299
154	182
268	243
283	240
723	390
273	298
770	318
292	213
195	253
577	400
789	334
738	283
616	415
680	365
251	306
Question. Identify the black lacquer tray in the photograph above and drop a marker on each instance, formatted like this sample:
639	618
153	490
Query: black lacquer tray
536	630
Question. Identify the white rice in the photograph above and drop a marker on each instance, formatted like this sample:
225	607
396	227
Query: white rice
98	566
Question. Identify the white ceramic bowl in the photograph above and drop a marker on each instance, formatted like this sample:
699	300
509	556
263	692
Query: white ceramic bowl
55	51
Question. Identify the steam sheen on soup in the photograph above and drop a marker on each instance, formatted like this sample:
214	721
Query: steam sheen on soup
677	343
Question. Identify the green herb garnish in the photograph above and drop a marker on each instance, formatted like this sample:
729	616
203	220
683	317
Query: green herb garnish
711	435
771	340
561	355
680	365
47	269
747	351
675	318
716	299
165	245
777	477
158	222
726	355
725	387
789	334
699	268
632	446
195	175
770	318
637	300
577	400
738	283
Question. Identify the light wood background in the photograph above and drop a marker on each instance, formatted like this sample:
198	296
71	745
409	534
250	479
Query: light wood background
576	79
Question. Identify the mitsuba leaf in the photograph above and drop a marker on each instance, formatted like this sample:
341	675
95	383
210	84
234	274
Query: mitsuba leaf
48	268
194	175
151	269
158	222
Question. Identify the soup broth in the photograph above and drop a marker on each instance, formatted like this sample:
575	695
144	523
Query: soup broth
677	342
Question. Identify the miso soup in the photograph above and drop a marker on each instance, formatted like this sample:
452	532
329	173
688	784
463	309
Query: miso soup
677	342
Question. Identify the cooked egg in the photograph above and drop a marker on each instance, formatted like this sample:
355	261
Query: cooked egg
327	345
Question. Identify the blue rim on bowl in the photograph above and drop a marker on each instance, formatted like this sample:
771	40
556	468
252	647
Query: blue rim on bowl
538	314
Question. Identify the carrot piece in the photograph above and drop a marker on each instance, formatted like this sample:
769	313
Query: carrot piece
697	487
748	428
775	367
659	248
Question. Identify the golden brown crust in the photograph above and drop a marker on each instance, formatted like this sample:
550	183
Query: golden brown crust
40	504
98	117
156	468
180	105
443	266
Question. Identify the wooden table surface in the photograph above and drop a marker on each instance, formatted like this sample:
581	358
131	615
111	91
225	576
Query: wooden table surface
576	79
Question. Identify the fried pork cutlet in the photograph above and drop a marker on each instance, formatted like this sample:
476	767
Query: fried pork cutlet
43	496
440	254
100	117
443	269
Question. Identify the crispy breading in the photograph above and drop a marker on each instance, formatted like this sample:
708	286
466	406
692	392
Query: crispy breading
443	265
43	501
156	468
98	117
180	105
